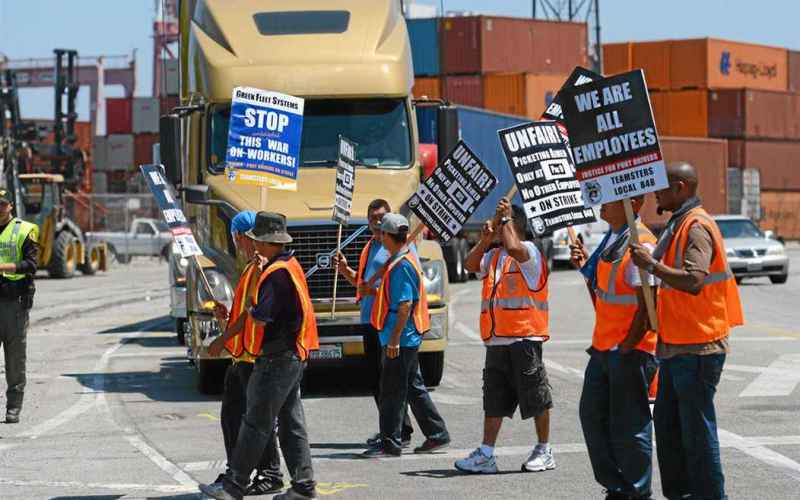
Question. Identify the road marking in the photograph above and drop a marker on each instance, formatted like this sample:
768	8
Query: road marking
761	453
332	488
208	416
149	353
162	462
452	399
778	379
101	486
563	369
467	331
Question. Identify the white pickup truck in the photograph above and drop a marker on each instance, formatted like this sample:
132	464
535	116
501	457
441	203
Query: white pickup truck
146	238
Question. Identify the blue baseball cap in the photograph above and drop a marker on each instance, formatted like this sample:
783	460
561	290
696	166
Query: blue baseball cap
243	222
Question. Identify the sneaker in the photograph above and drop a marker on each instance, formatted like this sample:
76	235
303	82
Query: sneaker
541	459
380	451
291	494
477	463
12	415
432	446
264	485
217	491
376	440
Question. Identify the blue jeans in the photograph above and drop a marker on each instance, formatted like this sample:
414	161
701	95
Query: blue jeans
686	427
616	421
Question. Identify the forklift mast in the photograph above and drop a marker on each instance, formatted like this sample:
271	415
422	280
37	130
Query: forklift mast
66	84
9	105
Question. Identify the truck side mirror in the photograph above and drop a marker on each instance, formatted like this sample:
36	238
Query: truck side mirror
196	194
169	127
447	136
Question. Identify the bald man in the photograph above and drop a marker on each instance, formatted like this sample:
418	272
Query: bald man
698	303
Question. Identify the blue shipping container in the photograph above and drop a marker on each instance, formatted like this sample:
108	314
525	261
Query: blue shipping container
424	36
428	124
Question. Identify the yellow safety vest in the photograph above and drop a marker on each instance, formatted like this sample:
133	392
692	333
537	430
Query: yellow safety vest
11	240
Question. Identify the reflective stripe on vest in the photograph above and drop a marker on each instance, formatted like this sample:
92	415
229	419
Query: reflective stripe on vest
611	296
307	337
509	308
420	313
697	319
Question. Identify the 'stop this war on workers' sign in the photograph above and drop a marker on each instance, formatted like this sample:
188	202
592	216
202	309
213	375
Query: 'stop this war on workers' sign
264	138
613	138
453	191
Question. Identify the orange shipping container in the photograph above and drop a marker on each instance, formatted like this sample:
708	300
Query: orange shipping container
713	63
682	113
794	70
654	59
780	212
429	86
520	94
617	58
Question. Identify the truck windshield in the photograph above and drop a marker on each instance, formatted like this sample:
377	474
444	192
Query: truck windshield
380	127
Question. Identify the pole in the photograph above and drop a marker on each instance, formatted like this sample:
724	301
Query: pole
643	275
336	274
598	47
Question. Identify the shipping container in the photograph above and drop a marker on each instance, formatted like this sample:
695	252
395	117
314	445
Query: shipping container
99	182
119	115
617	58
466	90
427	86
654	59
168	103
171	77
735	190
710	158
794	70
146	111
681	113
143	148
713	63
424	37
780	213
746	113
100	153
119	152
777	161
520	94
483	44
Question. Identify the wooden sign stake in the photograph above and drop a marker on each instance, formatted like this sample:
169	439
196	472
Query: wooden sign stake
643	275
336	274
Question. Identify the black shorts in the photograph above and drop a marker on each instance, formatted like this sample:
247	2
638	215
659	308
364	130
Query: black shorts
514	375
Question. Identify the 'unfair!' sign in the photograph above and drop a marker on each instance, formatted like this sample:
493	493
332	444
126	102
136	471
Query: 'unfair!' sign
449	196
173	215
613	138
345	181
264	138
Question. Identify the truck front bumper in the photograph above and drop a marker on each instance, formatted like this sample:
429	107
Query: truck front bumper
177	302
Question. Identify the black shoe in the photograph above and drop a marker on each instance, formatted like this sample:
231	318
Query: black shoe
376	441
264	485
432	445
12	415
218	492
380	452
616	495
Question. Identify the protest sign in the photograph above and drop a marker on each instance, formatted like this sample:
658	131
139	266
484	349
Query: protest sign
578	77
545	177
613	138
170	211
345	181
264	137
449	196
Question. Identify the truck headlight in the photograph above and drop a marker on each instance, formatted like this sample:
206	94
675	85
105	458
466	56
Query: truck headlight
433	273
221	289
776	250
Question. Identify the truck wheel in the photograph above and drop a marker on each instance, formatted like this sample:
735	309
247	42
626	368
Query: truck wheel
432	366
180	330
123	258
65	256
91	261
210	376
780	279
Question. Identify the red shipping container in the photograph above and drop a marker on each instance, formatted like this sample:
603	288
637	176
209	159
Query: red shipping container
119	115
775	160
143	148
794	71
748	113
780	212
483	44
466	90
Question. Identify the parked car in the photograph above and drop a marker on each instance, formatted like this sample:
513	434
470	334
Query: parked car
146	238
752	253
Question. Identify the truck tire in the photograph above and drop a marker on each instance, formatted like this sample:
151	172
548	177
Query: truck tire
779	279
64	259
91	261
432	366
211	376
180	330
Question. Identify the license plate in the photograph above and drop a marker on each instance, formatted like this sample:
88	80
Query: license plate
754	266
328	352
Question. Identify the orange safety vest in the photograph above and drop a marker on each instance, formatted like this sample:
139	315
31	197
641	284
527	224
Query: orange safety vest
616	302
508	307
422	318
250	339
307	337
362	265
684	318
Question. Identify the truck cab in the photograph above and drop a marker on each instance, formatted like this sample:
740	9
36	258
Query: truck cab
351	62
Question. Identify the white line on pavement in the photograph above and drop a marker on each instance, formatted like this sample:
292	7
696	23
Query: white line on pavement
162	462
761	453
778	379
467	331
101	486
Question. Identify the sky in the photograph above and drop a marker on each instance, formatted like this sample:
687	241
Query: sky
33	28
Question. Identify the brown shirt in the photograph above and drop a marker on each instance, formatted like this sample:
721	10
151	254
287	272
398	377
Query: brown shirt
698	255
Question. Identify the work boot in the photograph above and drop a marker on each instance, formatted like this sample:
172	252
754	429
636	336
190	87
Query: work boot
432	445
12	415
264	485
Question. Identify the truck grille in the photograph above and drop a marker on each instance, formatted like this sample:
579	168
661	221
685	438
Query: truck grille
311	242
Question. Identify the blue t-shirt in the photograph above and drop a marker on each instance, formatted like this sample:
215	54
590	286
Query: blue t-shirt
403	287
376	258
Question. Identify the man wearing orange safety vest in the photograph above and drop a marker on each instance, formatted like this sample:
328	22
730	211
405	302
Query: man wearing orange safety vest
242	339
281	305
400	315
698	304
614	406
514	325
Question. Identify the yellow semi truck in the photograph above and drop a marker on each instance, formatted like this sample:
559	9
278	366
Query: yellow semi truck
351	62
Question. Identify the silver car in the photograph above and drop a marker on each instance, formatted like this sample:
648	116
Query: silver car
751	252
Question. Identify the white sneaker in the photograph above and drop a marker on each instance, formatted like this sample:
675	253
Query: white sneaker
477	463
541	459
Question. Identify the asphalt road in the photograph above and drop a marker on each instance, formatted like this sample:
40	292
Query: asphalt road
111	411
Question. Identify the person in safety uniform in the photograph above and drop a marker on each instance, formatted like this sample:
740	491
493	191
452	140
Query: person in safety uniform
400	314
281	305
514	324
614	405
698	304
242	339
19	255
373	257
